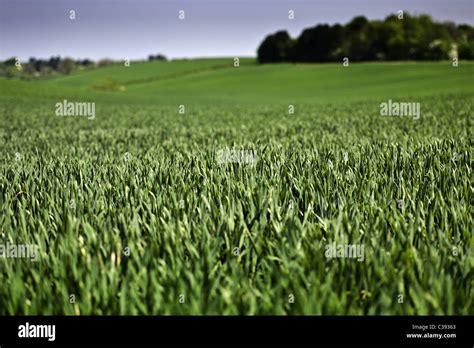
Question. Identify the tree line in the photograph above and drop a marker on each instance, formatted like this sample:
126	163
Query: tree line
398	37
34	67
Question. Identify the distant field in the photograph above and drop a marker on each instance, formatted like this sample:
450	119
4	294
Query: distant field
217	81
134	211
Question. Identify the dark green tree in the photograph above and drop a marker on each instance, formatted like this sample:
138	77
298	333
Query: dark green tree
275	48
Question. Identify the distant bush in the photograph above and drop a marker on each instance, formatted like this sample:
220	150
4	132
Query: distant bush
157	57
12	71
108	85
105	62
67	66
466	50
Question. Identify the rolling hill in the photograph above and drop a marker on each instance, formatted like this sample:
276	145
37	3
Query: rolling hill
217	81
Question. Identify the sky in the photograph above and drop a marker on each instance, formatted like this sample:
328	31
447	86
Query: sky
133	29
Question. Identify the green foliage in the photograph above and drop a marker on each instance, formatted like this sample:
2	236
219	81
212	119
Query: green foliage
36	68
466	50
276	48
144	177
395	38
67	66
105	62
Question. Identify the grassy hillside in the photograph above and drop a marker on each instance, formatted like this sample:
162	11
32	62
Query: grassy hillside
134	209
314	83
218	81
139	72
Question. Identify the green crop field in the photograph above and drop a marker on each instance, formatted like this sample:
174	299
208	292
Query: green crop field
137	210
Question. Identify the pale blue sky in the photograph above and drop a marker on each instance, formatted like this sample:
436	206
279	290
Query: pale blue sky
135	28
